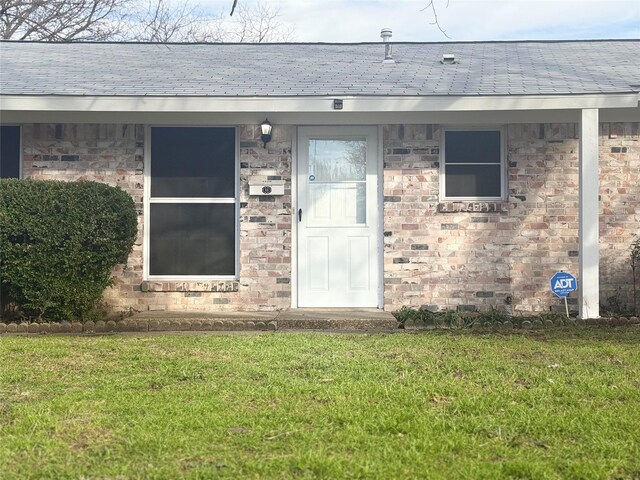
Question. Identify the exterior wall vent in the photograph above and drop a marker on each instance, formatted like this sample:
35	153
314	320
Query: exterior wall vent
385	33
448	59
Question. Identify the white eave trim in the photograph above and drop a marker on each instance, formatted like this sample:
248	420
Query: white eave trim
314	104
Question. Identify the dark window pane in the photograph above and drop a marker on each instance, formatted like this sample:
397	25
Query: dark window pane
193	162
9	152
472	181
472	147
192	239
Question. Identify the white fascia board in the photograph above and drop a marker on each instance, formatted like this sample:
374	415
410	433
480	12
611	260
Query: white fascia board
313	104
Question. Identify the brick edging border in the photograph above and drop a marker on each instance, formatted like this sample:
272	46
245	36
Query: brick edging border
130	325
529	323
185	325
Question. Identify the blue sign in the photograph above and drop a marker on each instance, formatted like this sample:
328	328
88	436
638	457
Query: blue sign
563	283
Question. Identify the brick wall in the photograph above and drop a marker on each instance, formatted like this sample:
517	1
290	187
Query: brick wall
265	238
619	206
444	255
452	255
114	154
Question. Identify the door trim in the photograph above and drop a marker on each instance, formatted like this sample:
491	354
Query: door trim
379	235
294	221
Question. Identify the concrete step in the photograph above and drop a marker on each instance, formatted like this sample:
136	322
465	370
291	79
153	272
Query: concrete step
335	319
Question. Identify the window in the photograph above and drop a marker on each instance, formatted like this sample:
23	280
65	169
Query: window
473	165
9	151
192	206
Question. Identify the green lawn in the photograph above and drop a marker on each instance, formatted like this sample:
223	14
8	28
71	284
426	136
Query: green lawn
540	404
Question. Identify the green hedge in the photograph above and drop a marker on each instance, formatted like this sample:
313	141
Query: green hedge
59	242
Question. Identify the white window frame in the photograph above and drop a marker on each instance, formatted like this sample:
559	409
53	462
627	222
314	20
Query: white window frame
503	163
20	147
148	200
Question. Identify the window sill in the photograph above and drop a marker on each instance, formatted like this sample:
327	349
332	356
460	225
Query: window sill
498	206
205	286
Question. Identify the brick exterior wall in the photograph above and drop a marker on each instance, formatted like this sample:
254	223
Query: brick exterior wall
439	254
114	154
619	207
453	255
265	237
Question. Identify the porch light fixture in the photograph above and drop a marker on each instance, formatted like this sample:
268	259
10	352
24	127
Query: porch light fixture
266	128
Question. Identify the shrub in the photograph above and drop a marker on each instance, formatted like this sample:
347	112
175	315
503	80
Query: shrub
59	242
448	318
464	320
615	305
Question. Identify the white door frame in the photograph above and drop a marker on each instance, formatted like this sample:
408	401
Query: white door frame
295	205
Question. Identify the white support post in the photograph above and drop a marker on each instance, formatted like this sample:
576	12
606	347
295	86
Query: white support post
589	214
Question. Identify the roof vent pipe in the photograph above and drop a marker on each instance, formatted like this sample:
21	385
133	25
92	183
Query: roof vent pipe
385	33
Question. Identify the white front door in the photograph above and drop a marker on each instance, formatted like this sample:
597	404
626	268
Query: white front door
337	217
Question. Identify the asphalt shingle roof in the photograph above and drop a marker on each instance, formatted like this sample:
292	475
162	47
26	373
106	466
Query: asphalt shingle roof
223	70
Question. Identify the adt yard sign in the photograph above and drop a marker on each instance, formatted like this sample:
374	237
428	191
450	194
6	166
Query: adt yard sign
563	283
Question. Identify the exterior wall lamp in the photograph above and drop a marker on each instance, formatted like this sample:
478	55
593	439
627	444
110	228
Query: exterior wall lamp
266	128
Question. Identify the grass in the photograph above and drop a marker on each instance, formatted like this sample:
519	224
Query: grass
560	403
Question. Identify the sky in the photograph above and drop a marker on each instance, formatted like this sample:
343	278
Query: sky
463	20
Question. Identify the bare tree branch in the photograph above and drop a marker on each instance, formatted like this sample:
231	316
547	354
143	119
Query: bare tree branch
60	20
432	6
169	21
139	20
257	24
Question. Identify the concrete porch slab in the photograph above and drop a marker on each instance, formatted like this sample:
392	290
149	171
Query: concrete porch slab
290	319
191	316
156	322
336	319
205	321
